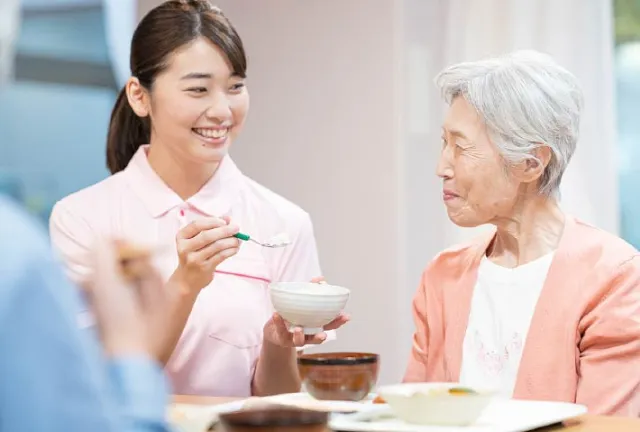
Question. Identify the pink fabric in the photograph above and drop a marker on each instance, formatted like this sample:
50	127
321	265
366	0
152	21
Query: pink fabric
584	342
221	342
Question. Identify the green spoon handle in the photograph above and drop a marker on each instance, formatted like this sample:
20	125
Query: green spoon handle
241	236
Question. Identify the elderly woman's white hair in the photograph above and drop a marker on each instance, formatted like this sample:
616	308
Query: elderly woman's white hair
526	100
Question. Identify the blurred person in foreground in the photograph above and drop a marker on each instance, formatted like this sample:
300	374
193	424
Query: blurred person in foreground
544	306
55	375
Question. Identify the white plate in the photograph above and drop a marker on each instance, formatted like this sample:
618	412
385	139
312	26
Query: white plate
501	416
305	400
197	418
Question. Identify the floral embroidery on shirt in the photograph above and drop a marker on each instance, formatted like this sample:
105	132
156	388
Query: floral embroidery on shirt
494	361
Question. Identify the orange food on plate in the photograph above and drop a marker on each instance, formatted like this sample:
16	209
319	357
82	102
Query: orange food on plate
461	391
379	400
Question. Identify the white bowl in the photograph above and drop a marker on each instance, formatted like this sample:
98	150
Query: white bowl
308	305
432	404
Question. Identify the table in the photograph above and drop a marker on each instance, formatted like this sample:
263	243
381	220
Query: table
587	423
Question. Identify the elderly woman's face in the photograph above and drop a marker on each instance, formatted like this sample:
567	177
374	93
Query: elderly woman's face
477	187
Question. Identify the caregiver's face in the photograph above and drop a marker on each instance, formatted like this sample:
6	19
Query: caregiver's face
477	186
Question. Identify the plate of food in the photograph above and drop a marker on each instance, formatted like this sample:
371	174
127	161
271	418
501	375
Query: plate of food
201	418
306	401
451	407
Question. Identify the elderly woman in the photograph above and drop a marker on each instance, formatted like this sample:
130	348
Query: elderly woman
544	306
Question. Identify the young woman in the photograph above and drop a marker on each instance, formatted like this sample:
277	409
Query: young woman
173	186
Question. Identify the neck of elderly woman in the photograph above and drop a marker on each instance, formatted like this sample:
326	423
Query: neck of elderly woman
532	230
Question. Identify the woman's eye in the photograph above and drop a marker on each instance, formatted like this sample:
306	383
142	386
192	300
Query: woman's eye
198	90
237	87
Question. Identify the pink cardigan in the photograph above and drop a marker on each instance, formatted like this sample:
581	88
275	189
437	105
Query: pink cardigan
584	341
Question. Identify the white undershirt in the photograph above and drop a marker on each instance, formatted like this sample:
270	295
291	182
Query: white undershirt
502	306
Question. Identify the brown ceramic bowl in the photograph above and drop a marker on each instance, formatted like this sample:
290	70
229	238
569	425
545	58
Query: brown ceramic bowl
275	419
343	376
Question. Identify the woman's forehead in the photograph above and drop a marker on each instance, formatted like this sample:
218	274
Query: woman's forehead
201	58
461	115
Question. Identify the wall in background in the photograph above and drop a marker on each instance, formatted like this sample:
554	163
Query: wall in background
627	64
53	118
52	140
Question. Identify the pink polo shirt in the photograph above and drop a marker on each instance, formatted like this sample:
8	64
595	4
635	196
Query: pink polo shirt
221	342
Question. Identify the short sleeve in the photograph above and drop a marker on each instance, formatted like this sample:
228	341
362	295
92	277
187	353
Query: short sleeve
71	237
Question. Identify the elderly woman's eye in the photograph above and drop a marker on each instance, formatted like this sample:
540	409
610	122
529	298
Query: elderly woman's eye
461	144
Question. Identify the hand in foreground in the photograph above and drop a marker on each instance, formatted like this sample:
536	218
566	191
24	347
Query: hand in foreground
129	300
277	332
202	245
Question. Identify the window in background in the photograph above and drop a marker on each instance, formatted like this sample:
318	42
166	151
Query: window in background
627	70
54	116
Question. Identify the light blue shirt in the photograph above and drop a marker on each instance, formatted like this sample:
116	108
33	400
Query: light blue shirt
53	375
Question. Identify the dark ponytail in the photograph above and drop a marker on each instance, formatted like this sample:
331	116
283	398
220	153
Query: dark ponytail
161	32
127	132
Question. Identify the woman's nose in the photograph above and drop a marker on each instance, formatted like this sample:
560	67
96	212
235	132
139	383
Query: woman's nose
444	169
220	107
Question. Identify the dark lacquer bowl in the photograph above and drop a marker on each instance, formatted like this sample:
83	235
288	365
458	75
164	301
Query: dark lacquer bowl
275	418
343	376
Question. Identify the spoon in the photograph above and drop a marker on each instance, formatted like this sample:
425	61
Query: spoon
280	240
